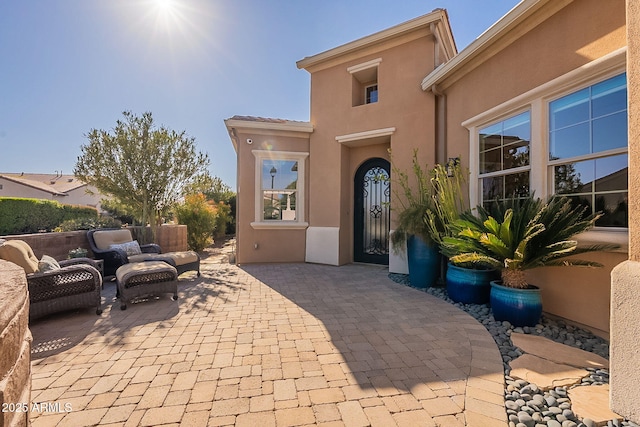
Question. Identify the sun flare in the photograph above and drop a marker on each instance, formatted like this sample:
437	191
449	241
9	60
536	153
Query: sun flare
165	6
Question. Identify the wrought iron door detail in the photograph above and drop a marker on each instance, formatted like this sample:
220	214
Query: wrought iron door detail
372	216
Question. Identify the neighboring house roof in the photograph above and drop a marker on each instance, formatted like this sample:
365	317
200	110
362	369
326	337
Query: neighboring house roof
264	123
505	31
437	22
56	184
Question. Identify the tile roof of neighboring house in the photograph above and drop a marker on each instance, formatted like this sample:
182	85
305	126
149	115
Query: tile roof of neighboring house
56	184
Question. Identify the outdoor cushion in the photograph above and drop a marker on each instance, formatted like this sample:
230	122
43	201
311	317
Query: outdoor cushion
179	258
130	248
20	253
182	258
105	238
47	263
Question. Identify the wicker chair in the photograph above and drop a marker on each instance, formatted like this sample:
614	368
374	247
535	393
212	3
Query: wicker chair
76	284
102	243
101	240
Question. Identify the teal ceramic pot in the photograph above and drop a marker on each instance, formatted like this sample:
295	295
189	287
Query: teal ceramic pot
520	307
424	262
468	285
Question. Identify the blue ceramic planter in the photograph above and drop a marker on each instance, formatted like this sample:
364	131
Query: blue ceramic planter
468	285
424	262
520	307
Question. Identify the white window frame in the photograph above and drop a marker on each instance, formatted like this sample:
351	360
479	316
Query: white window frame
299	222
503	172
537	101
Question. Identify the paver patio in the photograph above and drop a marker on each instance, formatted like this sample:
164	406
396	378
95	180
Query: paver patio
270	345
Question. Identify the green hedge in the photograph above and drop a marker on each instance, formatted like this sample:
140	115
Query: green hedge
23	216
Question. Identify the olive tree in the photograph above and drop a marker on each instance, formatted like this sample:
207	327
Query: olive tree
142	166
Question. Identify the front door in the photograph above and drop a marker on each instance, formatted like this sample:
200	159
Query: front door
371	212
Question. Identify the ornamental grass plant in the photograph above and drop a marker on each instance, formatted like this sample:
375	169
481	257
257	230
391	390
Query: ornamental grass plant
413	194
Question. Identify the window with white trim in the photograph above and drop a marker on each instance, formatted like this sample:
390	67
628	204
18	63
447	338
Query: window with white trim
588	158
567	137
280	188
504	167
364	82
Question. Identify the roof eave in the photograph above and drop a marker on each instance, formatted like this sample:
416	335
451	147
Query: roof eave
286	126
408	26
519	12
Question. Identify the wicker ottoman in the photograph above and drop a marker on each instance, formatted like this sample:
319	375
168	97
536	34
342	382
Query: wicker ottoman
146	278
182	261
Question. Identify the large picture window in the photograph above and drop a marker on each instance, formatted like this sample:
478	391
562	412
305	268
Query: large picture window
567	136
504	158
280	189
588	148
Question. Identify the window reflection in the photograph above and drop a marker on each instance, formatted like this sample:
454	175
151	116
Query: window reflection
279	189
505	187
591	120
505	145
600	184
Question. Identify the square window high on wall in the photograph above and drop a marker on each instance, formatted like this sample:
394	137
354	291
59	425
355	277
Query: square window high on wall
588	158
364	82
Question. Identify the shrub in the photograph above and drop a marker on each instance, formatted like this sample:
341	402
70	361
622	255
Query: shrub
223	219
200	218
22	215
89	224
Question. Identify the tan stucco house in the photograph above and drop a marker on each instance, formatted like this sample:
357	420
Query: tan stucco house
65	189
536	104
545	101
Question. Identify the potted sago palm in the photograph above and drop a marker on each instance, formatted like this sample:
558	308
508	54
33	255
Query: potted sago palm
413	199
517	235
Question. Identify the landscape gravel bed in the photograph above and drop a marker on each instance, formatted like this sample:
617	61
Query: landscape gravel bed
526	404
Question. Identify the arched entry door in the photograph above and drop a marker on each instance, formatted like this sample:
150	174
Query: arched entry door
371	212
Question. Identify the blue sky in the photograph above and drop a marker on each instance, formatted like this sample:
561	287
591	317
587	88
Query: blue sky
68	66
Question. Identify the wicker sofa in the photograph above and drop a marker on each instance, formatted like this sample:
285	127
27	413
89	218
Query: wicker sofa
111	245
76	283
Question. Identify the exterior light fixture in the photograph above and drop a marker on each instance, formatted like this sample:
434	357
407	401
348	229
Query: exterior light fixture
452	163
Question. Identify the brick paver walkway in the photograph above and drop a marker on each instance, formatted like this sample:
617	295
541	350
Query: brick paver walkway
270	345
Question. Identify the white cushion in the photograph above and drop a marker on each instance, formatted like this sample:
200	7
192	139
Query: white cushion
131	248
47	263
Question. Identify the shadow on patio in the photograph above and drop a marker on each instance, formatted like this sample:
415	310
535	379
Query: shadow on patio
62	331
390	337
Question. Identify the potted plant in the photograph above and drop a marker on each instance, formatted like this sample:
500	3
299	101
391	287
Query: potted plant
413	201
466	283
517	235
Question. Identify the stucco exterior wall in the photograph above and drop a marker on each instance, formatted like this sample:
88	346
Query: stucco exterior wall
401	105
556	45
625	294
581	295
265	245
78	196
565	41
12	189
